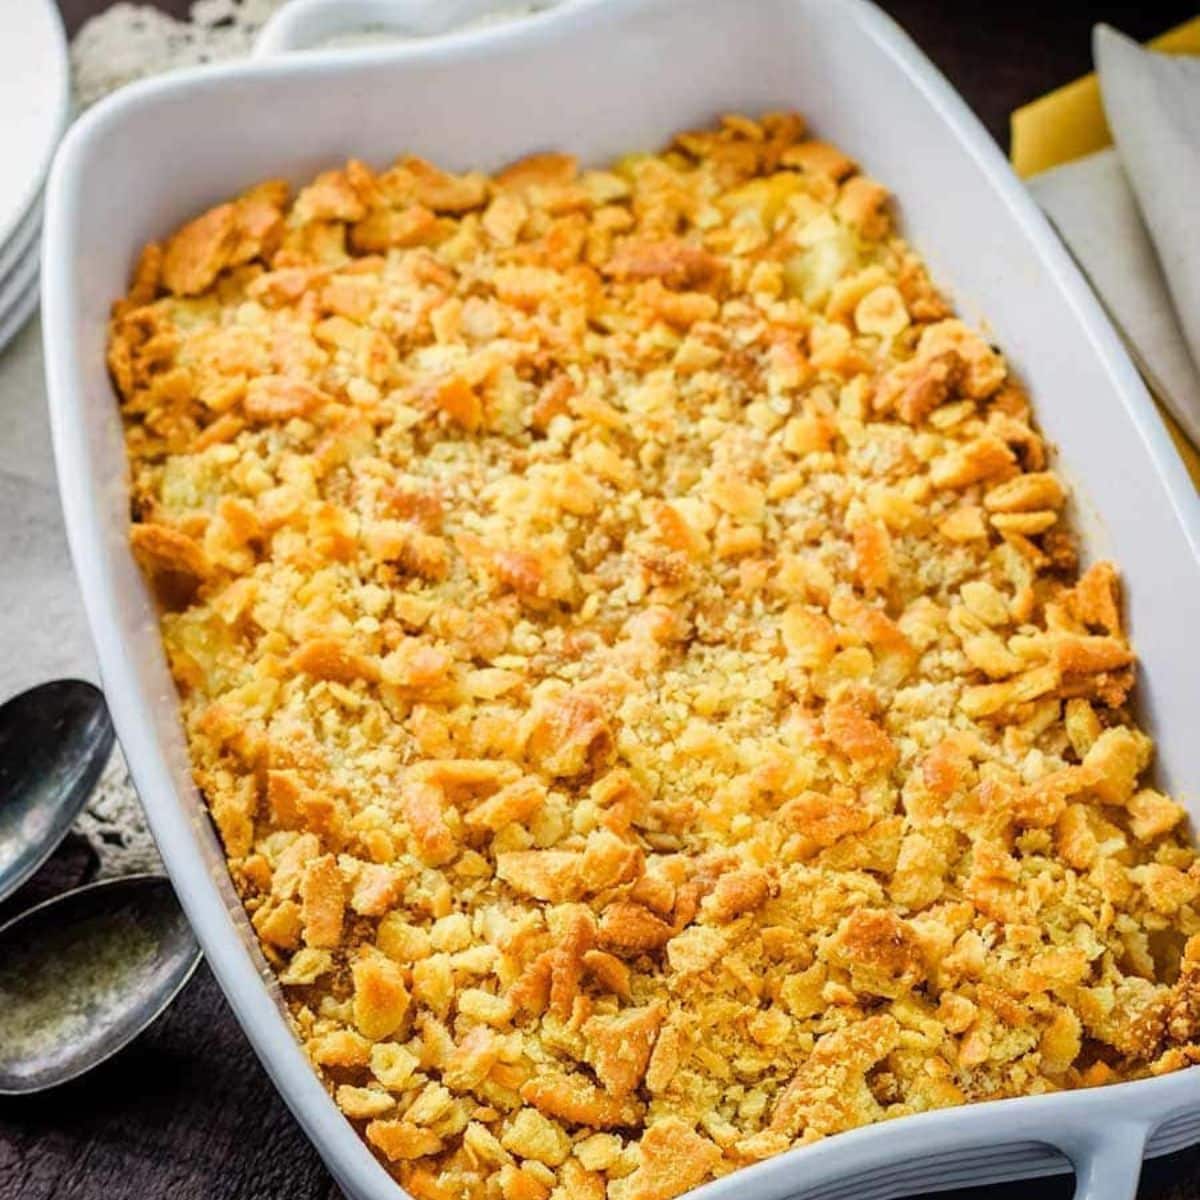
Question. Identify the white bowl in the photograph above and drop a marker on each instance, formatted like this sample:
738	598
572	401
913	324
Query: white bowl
18	296
35	98
603	77
22	242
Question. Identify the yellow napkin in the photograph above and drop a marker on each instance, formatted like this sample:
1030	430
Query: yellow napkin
1069	123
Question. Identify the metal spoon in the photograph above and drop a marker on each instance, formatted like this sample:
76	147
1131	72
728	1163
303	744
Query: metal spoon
83	974
54	742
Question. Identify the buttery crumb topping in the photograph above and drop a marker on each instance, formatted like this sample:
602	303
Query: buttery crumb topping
634	655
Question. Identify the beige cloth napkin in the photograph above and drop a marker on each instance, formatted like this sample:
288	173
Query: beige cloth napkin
1125	214
43	633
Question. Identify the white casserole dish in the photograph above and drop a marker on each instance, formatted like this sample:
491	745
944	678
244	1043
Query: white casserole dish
602	77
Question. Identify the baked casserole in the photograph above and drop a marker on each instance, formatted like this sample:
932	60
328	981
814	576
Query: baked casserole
634	654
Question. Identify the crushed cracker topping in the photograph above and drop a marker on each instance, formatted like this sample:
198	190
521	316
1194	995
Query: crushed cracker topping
633	652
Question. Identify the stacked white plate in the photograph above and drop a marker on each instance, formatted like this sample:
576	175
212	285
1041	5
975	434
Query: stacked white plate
34	103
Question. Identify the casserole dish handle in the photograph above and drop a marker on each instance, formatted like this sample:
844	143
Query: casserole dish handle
306	24
1107	1157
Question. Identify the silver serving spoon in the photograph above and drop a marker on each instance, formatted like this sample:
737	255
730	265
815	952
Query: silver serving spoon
83	974
54	742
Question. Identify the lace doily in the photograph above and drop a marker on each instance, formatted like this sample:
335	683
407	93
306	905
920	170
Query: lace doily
115	826
131	41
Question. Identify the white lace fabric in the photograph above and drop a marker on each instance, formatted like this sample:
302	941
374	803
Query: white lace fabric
131	41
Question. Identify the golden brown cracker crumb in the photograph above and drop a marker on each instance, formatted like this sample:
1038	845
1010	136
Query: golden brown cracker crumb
630	643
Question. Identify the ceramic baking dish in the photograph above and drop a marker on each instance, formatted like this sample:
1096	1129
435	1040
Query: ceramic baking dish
602	77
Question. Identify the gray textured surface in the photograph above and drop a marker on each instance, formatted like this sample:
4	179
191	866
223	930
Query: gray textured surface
42	631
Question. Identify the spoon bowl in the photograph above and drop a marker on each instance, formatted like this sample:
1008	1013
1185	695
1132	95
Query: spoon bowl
55	740
83	974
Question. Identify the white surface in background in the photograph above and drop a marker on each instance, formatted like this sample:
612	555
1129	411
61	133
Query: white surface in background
33	100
